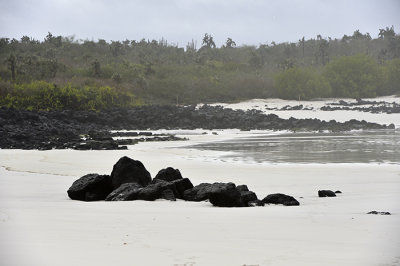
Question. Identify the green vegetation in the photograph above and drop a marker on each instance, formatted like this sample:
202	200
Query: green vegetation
61	72
354	76
392	77
348	76
301	83
40	95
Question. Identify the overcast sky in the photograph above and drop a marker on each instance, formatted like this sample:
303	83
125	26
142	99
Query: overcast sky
249	22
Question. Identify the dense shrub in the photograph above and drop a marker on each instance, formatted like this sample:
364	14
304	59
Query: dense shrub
392	77
41	95
354	76
160	72
301	83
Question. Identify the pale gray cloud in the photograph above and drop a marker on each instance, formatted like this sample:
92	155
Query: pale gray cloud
246	21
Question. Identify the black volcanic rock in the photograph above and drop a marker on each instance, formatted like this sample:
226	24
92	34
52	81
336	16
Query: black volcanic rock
198	193
379	213
181	186
220	194
279	198
156	191
91	187
169	174
127	170
255	203
125	192
326	193
242	188
225	195
168	194
248	196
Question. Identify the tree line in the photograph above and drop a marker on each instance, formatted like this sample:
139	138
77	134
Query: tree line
158	72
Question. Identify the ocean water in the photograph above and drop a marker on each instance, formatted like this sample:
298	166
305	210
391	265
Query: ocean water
379	146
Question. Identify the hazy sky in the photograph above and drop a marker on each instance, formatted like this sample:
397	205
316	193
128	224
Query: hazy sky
179	21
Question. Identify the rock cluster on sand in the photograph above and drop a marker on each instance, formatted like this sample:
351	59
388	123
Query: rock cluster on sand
130	180
374	106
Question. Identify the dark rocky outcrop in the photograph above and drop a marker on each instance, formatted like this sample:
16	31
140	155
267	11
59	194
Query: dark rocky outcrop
368	106
279	198
98	145
125	192
181	186
197	193
63	129
225	195
168	194
91	187
292	108
127	170
242	188
255	203
221	194
379	213
338	192
326	193
247	197
169	174
156	190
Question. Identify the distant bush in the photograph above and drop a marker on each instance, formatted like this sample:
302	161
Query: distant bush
301	83
392	75
354	76
41	95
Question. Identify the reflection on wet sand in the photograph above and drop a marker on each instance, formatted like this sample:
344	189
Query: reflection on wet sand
381	146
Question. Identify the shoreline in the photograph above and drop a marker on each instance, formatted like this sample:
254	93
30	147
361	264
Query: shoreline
86	130
41	226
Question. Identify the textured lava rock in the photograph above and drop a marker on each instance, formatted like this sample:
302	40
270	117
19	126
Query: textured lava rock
279	198
169	174
326	193
127	170
225	195
91	187
181	186
255	203
198	193
380	213
248	196
125	192
168	194
155	191
242	188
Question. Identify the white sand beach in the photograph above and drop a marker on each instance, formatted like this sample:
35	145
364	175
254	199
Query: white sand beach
339	115
40	225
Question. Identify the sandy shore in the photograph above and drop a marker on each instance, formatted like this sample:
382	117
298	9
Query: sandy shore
40	225
340	116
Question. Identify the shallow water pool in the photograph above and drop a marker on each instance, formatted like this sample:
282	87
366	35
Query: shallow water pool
379	146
